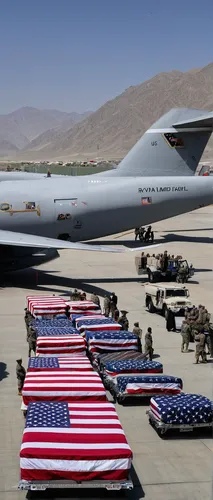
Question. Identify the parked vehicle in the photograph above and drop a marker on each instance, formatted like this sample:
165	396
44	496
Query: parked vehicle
151	266
162	298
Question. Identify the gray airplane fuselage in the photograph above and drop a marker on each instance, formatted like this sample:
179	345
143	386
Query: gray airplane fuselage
91	207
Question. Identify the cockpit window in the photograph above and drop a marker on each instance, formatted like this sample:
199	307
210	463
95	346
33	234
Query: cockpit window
174	141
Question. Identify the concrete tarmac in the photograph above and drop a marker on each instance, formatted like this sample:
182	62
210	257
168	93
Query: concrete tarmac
179	467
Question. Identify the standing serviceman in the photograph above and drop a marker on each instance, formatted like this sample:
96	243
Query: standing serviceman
185	332
200	340
116	314
20	374
106	306
113	303
31	339
137	331
124	321
95	298
27	317
148	344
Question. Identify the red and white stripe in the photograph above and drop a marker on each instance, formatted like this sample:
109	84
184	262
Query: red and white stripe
89	316
99	345
94	447
143	388
43	305
61	344
100	326
65	386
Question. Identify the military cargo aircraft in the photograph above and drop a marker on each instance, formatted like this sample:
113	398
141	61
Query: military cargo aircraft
153	182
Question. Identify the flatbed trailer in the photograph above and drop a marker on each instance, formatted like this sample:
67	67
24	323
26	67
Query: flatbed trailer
162	428
65	484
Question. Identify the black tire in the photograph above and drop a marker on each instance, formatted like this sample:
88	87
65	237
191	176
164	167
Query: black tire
161	433
151	277
150	306
165	312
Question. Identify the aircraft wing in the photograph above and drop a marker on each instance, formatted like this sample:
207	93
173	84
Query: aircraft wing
30	240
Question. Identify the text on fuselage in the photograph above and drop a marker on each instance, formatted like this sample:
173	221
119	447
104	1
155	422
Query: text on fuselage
161	189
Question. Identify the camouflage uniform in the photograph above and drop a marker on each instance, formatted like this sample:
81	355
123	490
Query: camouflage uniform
148	345
208	328
106	306
113	303
200	340
123	322
95	299
76	295
31	339
137	331
116	314
185	332
20	374
27	318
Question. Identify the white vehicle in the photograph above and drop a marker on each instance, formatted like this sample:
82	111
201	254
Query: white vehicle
164	297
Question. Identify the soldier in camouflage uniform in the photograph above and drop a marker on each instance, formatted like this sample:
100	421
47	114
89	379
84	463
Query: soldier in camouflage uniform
137	331
200	340
94	298
124	321
76	295
185	332
27	318
20	374
148	344
106	306
31	339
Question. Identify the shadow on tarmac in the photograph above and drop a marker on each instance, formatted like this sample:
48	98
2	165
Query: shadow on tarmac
3	371
89	494
40	280
166	238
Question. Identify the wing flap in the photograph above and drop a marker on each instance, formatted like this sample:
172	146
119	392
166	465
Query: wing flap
30	240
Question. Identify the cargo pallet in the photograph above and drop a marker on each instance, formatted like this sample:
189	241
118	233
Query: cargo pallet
65	484
162	428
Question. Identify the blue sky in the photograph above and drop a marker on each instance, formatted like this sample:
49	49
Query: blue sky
74	55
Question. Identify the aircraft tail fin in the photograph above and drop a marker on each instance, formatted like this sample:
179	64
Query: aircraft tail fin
173	146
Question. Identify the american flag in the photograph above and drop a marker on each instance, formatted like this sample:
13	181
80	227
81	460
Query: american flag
88	317
62	386
82	305
114	368
74	441
182	409
98	324
60	344
45	305
111	341
147	385
75	363
43	331
146	201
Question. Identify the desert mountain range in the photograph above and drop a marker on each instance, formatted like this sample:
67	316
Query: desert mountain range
114	128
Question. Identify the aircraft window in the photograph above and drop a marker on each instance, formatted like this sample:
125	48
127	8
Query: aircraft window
5	206
174	141
30	205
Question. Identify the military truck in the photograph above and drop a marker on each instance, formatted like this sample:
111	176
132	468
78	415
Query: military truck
163	297
150	265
